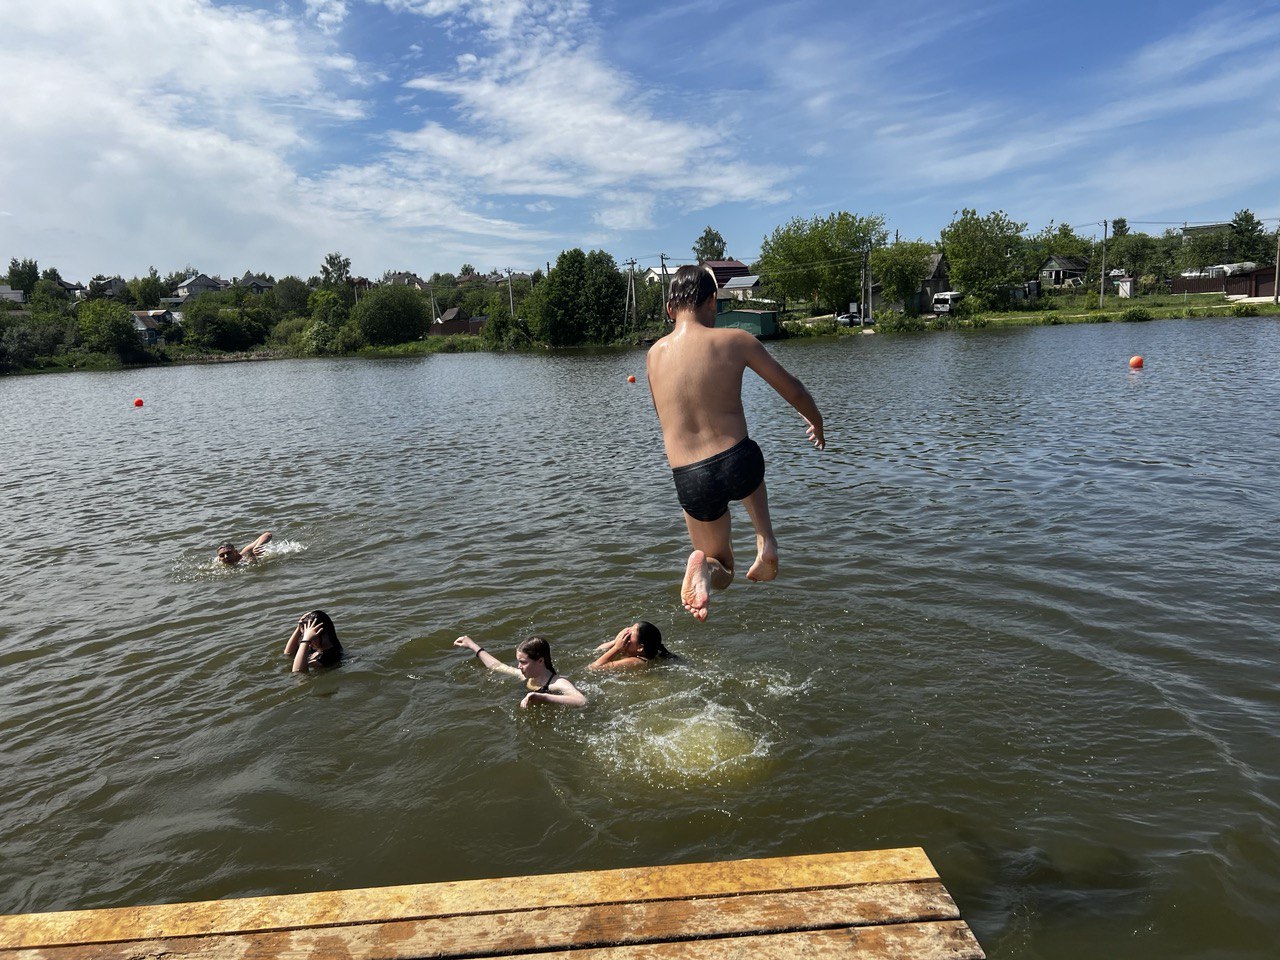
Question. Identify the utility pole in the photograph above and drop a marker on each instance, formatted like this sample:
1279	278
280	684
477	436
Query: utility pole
635	307
1275	284
1102	284
433	304
662	258
511	300
626	304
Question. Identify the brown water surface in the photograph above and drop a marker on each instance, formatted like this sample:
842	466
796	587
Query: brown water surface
1027	619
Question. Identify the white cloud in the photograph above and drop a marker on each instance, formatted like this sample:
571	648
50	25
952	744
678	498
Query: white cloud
328	14
545	113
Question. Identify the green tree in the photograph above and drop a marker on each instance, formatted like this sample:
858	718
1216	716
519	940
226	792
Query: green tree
106	326
23	275
291	297
820	260
389	314
50	291
335	275
215	321
328	315
335	271
1205	249
1249	240
709	246
1137	254
900	268
580	301
984	255
1119	227
147	290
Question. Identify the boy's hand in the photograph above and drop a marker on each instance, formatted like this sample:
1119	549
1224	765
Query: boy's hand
816	435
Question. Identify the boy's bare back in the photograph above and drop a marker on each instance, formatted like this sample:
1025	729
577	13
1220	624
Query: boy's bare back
695	376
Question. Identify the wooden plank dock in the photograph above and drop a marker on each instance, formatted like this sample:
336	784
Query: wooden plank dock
867	905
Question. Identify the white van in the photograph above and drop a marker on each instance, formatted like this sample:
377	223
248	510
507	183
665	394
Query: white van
946	301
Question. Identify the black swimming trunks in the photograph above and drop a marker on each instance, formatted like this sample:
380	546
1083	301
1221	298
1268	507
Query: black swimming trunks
706	487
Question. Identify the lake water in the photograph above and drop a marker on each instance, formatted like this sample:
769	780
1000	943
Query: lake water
1026	619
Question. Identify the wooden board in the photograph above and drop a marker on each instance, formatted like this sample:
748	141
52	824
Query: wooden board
864	904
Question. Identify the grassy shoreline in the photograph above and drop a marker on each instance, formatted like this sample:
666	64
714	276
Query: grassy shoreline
1078	310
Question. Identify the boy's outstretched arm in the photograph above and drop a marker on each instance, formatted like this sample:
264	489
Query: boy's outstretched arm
786	386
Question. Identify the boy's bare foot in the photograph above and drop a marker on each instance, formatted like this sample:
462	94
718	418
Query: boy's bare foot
766	565
693	592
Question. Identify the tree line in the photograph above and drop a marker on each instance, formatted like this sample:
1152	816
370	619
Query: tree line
585	298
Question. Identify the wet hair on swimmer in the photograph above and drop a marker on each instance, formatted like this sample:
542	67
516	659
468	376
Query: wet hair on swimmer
691	287
226	546
650	639
537	648
326	625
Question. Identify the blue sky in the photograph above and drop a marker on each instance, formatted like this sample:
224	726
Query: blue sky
424	134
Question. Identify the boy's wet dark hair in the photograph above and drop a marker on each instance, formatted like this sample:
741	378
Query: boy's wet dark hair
691	287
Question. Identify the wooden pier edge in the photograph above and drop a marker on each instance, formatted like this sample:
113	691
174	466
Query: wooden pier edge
861	904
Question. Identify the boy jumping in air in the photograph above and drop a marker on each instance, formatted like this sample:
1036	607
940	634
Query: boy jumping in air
695	376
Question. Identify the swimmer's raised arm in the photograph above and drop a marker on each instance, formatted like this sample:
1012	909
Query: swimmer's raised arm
291	645
487	658
254	550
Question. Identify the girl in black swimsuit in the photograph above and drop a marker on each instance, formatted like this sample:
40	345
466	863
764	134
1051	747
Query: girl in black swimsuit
534	666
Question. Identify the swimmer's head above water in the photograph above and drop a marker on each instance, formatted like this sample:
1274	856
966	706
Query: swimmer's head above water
228	554
530	652
648	640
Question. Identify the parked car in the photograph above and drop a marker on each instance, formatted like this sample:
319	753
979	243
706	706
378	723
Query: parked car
946	301
852	319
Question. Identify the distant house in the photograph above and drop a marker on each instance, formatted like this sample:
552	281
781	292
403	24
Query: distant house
1057	271
75	291
8	293
453	320
726	270
112	287
196	285
742	288
405	279
658	274
936	280
148	324
255	284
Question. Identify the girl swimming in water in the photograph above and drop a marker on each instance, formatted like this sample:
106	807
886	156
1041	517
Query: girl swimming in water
313	643
534	666
635	646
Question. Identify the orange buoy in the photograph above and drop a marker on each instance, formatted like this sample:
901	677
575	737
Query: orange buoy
1135	363
137	401
631	379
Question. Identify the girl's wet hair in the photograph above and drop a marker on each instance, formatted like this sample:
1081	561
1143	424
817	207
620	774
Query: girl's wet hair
537	648
326	625
650	639
691	287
